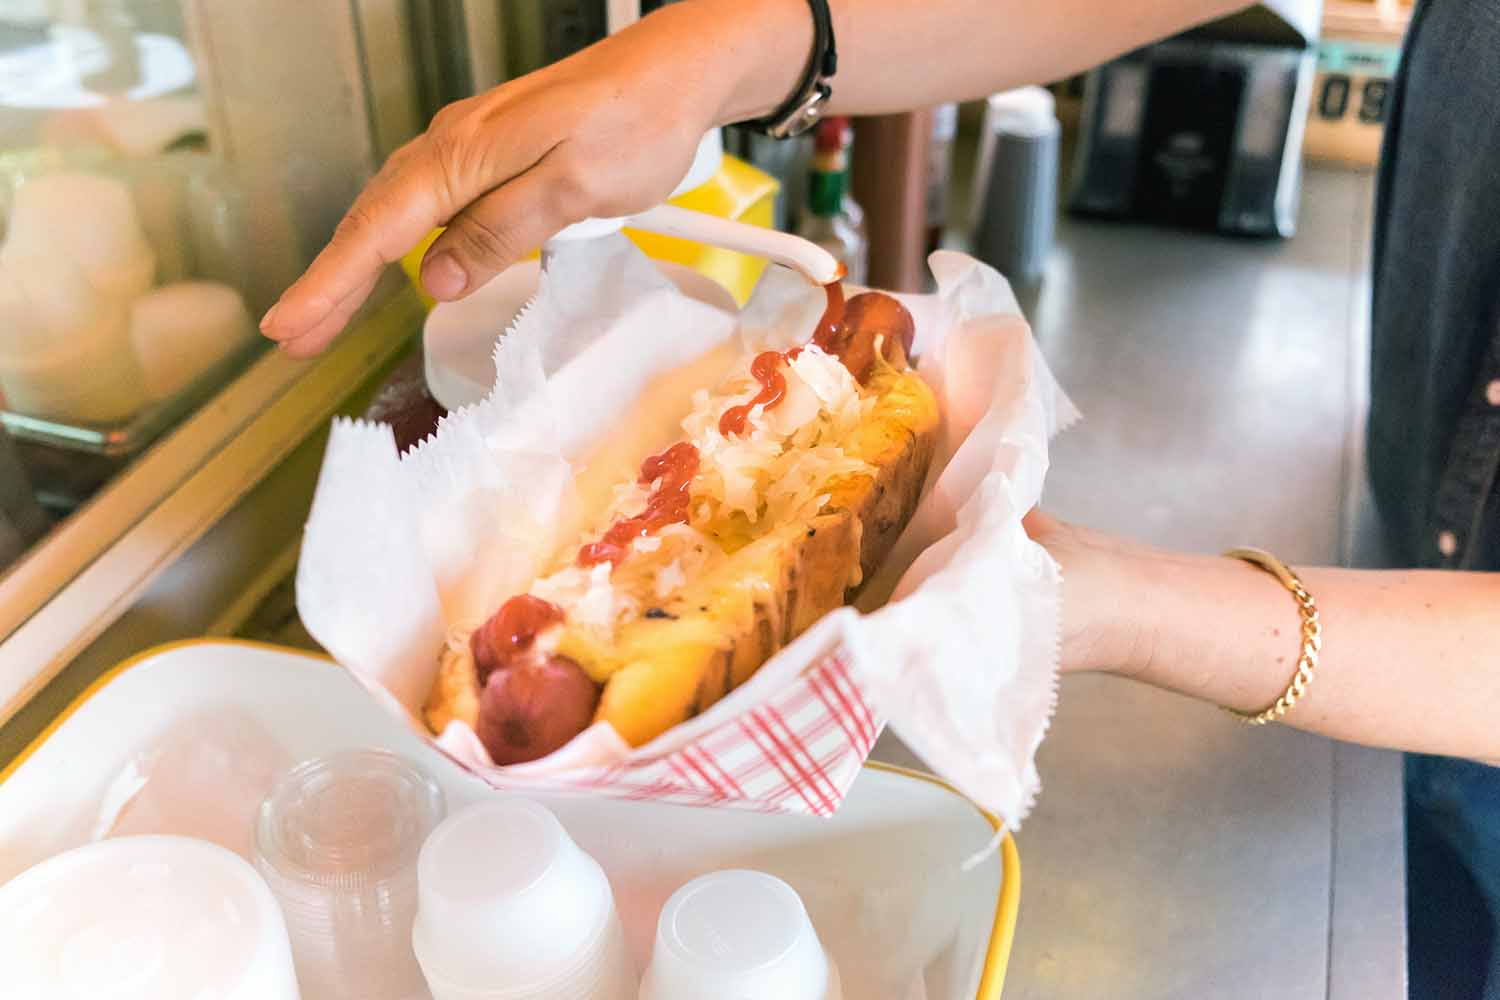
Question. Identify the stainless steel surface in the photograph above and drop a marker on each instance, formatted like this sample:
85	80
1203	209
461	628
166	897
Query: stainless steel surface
130	437
291	107
483	27
389	71
1174	853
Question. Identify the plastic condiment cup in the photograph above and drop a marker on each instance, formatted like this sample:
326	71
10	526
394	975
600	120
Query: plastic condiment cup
738	934
181	331
337	839
89	220
65	351
143	918
512	908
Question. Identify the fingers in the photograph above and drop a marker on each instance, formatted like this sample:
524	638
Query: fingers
397	208
317	337
421	186
498	230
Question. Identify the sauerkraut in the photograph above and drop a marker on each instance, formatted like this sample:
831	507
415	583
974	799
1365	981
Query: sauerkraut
778	470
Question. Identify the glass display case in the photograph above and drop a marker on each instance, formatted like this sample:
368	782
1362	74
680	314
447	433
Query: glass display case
167	167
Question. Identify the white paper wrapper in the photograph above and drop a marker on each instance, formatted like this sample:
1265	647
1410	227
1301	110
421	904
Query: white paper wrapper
958	650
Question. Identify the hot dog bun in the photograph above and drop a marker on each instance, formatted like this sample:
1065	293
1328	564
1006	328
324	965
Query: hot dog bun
753	574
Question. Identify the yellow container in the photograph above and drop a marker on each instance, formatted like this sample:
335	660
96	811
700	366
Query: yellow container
738	191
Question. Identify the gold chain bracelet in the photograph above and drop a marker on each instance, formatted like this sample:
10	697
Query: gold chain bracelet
1312	637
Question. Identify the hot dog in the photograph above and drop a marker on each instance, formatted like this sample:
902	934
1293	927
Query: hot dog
790	483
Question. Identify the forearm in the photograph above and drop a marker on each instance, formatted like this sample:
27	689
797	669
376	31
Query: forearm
1408	658
896	55
611	130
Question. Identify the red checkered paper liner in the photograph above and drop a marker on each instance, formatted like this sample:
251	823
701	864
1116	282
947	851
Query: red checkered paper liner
798	752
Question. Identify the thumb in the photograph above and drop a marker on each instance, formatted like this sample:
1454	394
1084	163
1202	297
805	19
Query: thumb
494	232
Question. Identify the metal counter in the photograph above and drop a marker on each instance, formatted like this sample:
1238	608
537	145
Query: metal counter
1173	852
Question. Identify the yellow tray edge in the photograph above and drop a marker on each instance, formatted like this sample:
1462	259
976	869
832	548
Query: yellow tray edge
991	983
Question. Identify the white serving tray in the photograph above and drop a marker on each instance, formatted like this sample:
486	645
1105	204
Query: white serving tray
897	830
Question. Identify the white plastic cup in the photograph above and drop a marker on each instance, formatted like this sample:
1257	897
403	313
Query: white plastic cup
337	839
512	908
89	220
65	351
161	203
143	918
738	934
181	331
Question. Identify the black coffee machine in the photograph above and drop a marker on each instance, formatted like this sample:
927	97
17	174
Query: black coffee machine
1204	130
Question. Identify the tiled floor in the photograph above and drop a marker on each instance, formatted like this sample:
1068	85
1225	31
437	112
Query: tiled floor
1173	853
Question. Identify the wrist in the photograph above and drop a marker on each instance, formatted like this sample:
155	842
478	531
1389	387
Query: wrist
1110	618
760	51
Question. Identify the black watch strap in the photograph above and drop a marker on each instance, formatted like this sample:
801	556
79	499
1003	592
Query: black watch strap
802	110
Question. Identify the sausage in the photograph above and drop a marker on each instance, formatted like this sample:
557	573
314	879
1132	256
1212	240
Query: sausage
870	315
509	633
531	709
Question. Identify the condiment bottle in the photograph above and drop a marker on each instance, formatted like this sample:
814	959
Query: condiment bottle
833	220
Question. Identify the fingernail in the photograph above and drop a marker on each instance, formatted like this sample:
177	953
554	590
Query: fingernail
269	318
444	277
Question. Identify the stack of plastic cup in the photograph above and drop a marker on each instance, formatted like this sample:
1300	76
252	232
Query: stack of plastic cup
739	934
74	259
89	220
181	331
512	908
143	918
65	351
337	839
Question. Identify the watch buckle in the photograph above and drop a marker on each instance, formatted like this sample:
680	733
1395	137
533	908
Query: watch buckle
804	116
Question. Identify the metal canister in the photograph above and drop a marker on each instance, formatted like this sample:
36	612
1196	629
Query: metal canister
1016	210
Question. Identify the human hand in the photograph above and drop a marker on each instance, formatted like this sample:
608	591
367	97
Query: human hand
607	132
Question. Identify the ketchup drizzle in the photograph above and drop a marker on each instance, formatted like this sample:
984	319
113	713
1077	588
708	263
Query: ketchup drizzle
510	632
767	371
672	471
829	334
766	368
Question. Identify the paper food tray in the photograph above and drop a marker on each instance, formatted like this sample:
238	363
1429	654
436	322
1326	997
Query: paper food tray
899	838
958	648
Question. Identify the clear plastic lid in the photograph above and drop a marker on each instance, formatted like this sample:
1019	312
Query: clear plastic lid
143	918
338	839
347	822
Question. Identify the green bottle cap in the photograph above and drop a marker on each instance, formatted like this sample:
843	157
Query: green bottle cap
826	191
